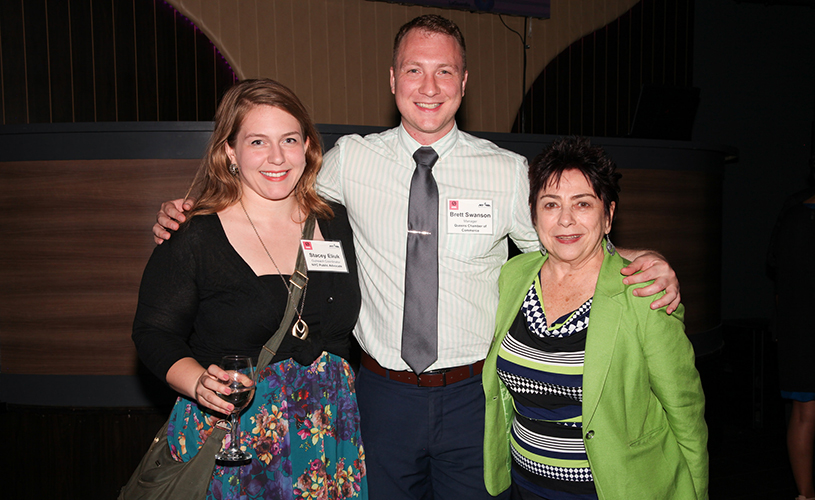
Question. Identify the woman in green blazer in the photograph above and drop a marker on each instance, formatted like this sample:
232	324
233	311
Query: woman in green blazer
590	393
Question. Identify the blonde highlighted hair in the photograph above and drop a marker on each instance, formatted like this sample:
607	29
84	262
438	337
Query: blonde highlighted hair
215	188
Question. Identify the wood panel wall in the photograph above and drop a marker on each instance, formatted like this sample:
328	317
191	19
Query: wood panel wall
678	213
76	237
72	258
335	54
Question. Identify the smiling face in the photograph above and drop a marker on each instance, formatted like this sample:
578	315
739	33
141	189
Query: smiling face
428	82
270	152
570	219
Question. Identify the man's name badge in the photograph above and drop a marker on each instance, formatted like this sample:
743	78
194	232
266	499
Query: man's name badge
324	256
469	216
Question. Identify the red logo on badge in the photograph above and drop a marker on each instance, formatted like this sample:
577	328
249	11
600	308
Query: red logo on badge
307	245
453	204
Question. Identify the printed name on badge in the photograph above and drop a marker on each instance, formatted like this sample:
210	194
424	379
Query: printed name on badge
469	216
324	256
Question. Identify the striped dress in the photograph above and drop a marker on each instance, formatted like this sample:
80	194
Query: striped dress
542	366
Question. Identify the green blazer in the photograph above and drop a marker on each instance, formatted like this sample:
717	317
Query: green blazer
643	406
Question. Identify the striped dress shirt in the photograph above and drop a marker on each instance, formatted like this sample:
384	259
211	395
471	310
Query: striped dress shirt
371	176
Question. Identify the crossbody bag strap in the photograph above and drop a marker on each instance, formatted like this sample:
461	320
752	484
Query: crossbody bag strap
298	281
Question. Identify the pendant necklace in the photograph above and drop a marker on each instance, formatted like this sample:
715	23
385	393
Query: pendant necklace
300	328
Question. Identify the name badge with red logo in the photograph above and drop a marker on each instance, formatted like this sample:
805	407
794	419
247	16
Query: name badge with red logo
469	216
324	256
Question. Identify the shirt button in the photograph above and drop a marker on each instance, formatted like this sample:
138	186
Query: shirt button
330	300
589	434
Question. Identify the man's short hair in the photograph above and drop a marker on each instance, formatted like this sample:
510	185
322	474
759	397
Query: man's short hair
431	23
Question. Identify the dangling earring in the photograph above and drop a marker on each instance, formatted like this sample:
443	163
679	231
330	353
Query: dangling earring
609	246
543	250
233	169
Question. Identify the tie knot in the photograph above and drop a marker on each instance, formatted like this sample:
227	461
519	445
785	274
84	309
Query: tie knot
425	157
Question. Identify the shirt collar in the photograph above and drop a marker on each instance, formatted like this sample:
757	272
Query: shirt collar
442	147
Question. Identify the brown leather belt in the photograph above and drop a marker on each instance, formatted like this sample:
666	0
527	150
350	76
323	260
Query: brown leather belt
435	378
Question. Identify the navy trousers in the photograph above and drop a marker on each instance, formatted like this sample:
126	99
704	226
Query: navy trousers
422	442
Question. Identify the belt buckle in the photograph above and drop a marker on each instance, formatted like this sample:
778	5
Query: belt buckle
442	372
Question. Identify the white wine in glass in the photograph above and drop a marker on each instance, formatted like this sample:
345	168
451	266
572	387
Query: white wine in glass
241	372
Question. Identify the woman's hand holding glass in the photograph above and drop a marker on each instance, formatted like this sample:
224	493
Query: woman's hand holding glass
215	383
238	392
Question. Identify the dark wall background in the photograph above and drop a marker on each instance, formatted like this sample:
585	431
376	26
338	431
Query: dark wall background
105	61
755	64
592	87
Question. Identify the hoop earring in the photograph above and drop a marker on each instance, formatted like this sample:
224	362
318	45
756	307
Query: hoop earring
544	251
233	169
609	246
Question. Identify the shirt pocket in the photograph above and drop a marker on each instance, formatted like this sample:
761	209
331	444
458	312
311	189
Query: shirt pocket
470	248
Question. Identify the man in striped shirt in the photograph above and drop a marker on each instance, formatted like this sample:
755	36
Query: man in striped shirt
423	433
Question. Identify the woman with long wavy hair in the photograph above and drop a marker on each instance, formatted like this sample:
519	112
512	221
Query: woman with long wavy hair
221	286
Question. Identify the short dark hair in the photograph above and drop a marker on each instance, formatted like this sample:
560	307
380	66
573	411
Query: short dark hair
431	23
574	153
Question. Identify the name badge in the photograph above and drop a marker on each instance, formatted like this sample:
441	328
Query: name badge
469	216
324	256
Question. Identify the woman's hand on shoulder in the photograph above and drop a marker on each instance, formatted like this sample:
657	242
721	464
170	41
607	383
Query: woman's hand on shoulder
649	266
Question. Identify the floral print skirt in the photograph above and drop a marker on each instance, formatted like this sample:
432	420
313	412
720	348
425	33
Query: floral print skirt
302	429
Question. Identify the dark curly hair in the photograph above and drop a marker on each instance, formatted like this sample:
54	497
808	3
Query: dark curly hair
576	153
431	23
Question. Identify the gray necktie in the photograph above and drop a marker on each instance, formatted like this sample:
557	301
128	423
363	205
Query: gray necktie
420	324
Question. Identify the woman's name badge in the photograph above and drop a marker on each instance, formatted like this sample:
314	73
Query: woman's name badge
469	216
324	256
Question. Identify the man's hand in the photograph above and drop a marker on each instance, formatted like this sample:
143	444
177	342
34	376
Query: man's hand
169	218
654	267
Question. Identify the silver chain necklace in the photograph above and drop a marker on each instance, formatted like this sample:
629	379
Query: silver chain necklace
300	328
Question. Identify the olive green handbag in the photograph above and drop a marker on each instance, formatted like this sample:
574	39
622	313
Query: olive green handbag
159	476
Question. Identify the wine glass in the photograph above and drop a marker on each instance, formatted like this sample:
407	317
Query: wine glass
241	371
